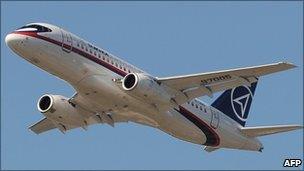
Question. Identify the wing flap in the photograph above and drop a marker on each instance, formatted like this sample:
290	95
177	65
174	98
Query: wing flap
267	130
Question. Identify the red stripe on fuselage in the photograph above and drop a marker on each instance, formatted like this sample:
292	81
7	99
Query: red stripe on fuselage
212	138
75	50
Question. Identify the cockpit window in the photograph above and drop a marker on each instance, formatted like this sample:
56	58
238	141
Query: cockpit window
34	28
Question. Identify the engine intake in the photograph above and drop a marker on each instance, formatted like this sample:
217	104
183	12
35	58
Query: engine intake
45	103
130	81
58	109
145	87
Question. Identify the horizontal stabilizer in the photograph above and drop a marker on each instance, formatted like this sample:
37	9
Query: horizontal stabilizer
267	130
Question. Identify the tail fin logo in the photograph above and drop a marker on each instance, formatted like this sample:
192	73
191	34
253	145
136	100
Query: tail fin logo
240	98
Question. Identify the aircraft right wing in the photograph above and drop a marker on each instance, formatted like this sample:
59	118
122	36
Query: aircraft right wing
46	124
191	86
42	126
91	116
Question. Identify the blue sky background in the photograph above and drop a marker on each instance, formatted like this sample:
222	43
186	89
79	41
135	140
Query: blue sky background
164	39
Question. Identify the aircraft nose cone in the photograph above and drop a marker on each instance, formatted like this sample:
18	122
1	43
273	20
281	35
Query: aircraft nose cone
11	40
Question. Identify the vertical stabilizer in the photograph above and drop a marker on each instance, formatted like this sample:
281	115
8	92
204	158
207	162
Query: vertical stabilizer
236	102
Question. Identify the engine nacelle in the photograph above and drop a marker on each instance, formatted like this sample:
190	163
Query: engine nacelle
57	108
146	88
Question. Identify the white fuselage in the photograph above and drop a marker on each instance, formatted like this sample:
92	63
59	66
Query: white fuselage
93	73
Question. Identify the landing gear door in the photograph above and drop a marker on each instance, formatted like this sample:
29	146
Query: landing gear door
215	119
67	41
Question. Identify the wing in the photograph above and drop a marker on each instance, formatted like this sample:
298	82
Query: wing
188	87
91	116
42	126
45	124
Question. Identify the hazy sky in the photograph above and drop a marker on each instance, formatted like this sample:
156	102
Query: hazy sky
164	39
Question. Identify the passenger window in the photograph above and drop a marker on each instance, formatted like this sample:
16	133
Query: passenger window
99	55
196	106
201	108
205	110
192	103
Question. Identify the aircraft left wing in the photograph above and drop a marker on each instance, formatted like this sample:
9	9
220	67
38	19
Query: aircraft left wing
191	86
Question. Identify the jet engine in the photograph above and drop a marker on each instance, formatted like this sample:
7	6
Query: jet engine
145	87
57	108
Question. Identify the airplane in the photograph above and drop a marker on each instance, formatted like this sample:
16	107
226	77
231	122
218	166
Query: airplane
110	91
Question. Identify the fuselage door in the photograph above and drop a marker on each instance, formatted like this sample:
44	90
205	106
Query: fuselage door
67	41
215	118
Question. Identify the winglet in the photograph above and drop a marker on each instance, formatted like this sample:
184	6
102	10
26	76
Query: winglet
288	65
